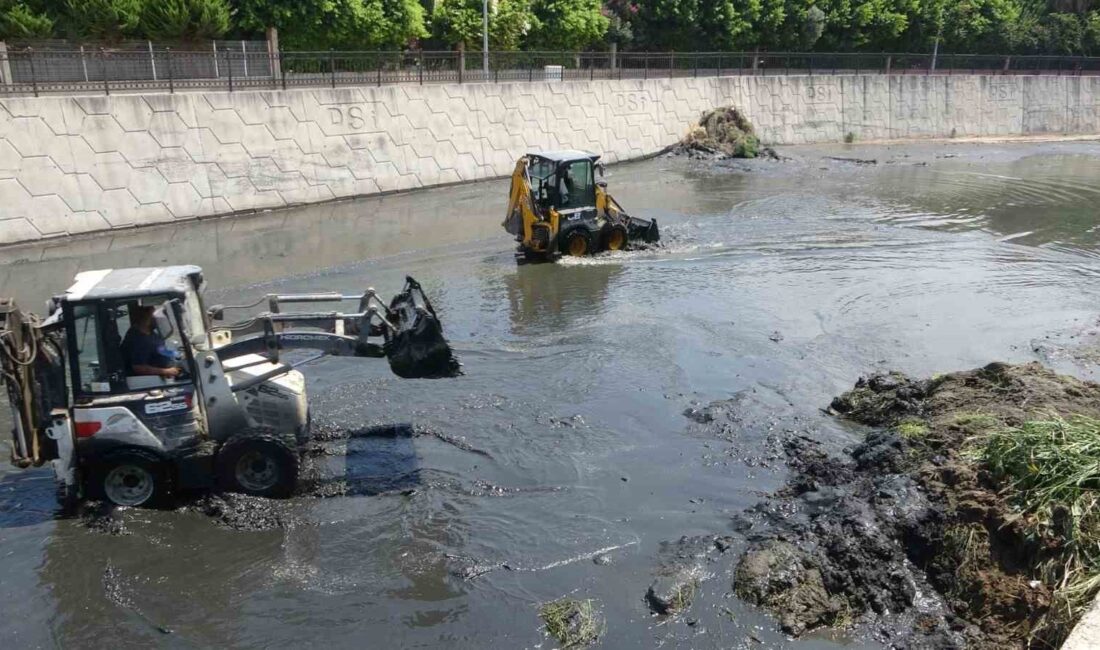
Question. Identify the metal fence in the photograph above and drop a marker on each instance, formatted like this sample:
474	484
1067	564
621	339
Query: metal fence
235	66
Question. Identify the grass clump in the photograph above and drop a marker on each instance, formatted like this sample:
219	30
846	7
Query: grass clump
1051	470
849	137
574	623
912	428
682	597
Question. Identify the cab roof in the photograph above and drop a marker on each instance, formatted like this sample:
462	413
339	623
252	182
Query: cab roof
565	155
132	283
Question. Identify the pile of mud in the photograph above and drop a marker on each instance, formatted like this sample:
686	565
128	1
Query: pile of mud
909	526
720	134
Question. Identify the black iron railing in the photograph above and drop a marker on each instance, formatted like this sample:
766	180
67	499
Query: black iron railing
31	72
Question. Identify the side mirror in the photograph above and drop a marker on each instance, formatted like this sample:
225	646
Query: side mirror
599	168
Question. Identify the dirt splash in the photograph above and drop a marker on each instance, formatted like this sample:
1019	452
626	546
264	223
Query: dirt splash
909	522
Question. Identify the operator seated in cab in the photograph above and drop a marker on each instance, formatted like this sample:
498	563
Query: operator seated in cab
144	351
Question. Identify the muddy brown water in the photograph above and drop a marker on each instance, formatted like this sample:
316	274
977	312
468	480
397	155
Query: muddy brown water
780	284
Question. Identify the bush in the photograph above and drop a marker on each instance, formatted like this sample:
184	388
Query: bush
185	20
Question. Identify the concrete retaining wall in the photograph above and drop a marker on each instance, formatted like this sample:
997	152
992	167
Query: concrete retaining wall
71	165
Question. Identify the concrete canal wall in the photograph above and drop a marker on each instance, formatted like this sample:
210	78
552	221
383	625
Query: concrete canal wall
71	165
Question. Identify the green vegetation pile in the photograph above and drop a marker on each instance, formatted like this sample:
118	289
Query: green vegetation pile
724	133
980	489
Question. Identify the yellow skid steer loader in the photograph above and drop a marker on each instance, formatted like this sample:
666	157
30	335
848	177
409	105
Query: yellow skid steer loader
556	207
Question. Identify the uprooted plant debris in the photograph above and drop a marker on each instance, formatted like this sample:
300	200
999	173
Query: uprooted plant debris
971	509
574	623
720	134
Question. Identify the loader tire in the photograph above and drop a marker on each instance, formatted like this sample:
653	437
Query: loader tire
131	477
577	243
259	463
615	238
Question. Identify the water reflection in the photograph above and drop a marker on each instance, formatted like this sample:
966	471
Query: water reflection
547	299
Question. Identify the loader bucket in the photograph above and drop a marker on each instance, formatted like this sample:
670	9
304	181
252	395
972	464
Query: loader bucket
643	230
417	349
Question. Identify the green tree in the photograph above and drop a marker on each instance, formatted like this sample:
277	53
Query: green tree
18	21
101	20
1092	34
813	26
568	24
337	24
185	20
698	24
510	23
404	22
457	21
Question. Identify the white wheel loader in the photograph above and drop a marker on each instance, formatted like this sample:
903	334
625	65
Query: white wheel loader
229	415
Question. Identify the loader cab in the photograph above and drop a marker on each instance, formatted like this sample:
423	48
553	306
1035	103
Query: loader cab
101	308
114	406
566	182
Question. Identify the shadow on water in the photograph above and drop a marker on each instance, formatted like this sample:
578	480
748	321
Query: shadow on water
27	499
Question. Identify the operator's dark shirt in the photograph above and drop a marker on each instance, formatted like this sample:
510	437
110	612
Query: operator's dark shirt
140	349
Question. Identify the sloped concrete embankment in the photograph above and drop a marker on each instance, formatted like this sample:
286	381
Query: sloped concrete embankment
72	165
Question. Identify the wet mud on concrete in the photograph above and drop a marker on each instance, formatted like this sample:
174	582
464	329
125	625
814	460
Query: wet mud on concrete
620	419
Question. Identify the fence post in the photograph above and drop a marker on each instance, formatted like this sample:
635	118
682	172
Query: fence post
5	65
152	60
332	67
420	66
229	68
695	66
34	75
103	66
889	63
84	63
171	76
671	64
719	65
244	55
646	73
530	71
274	53
379	70
217	72
282	69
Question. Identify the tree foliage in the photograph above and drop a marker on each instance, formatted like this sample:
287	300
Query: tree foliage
101	20
1069	27
568	24
335	24
185	20
19	21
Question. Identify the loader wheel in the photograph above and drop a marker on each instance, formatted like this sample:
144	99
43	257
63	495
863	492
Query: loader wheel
130	478
616	238
260	464
577	244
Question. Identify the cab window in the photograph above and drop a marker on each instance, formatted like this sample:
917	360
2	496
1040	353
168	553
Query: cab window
575	185
93	377
103	352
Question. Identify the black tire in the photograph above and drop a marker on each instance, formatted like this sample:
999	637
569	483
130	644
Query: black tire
130	477
577	243
615	238
258	463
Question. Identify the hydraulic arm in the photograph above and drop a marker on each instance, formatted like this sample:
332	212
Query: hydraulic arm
406	331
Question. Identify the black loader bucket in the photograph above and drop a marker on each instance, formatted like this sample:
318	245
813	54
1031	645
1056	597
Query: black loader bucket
643	230
417	349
